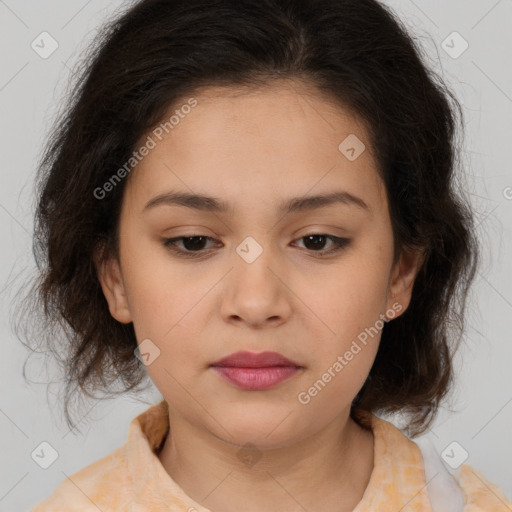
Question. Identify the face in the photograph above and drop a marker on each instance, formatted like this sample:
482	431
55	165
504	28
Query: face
307	282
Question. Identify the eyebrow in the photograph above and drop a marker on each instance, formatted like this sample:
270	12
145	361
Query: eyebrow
292	205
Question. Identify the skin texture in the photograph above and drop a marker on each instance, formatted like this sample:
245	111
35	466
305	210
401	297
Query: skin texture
255	149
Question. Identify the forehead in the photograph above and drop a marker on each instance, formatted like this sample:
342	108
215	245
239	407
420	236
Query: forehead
258	147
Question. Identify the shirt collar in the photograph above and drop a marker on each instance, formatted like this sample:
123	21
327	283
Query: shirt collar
397	479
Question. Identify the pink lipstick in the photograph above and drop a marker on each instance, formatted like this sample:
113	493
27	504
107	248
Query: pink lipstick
256	371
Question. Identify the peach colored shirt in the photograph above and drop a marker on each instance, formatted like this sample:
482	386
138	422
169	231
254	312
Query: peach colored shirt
132	478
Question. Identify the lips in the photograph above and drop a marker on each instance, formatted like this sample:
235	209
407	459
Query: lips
256	371
255	360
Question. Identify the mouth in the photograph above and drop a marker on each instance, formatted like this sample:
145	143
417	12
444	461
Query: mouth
256	371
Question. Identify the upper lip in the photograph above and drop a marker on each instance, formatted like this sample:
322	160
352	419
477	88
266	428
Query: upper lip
255	360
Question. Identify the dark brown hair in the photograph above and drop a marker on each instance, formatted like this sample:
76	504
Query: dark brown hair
159	51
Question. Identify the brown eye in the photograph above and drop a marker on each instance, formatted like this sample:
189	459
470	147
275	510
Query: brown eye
194	243
193	246
315	242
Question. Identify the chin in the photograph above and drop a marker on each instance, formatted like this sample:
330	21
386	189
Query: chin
268	428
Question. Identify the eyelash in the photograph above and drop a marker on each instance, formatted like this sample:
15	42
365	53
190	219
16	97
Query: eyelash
170	243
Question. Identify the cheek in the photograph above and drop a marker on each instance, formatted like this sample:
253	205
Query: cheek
352	296
350	301
166	309
344	355
159	293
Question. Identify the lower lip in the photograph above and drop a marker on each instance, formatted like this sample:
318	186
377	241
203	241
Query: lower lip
256	378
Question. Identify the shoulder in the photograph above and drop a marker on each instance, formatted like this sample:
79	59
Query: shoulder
464	490
102	485
129	478
479	493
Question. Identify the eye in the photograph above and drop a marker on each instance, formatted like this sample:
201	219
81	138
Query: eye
194	246
316	241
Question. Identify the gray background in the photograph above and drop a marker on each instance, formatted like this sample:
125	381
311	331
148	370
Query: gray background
30	92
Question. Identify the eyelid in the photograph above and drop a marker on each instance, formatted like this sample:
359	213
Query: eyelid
339	243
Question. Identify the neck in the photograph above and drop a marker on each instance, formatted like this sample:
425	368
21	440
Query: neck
328	471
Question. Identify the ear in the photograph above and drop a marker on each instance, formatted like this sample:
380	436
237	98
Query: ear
403	275
112	284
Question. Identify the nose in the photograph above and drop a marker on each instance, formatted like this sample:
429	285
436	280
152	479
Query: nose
257	293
